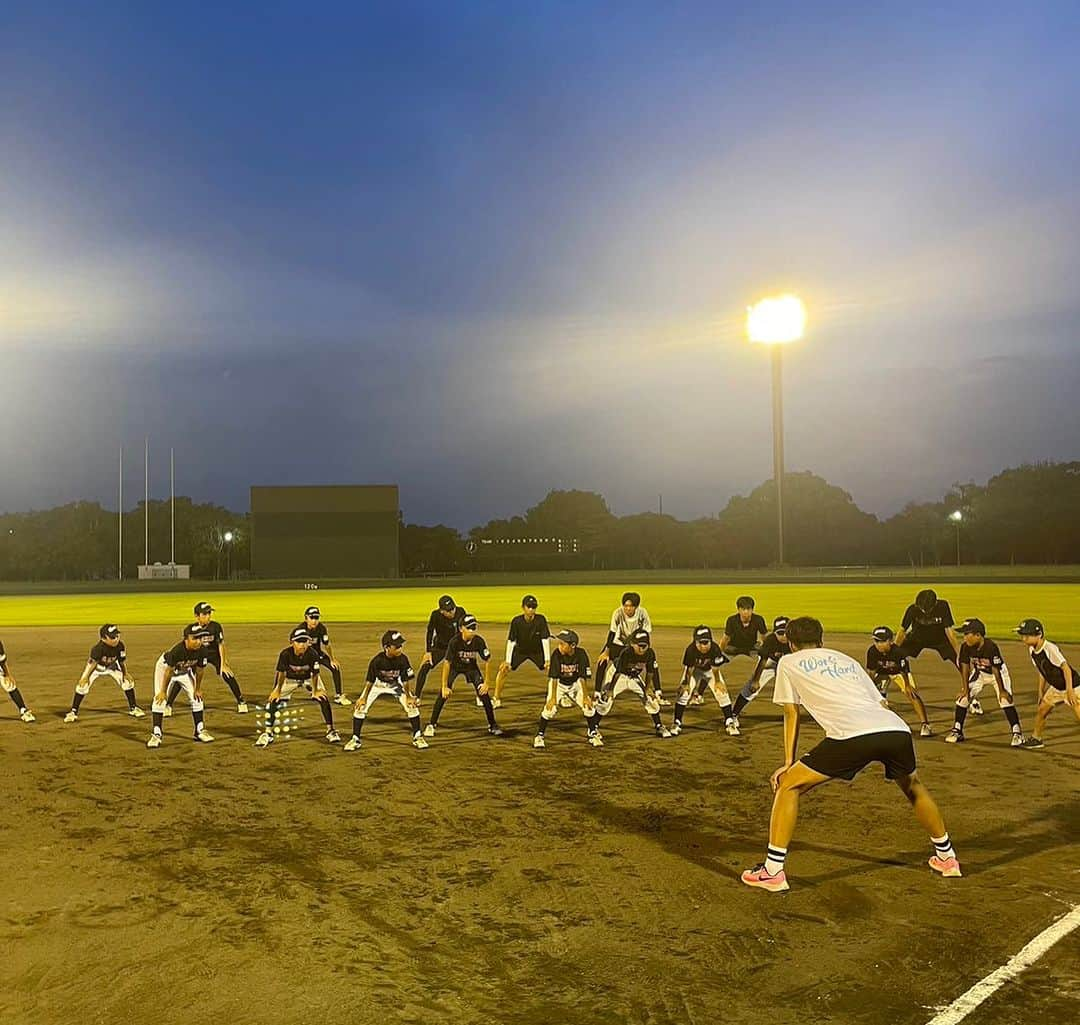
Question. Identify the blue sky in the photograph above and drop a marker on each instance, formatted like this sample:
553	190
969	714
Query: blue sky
484	250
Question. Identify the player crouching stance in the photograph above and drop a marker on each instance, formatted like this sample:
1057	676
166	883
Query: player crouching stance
1057	680
11	688
635	670
980	659
859	729
772	649
297	665
701	668
183	663
390	673
568	678
107	658
463	654
886	663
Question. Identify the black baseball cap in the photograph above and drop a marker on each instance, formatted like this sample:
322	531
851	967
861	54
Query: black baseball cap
110	630
299	633
392	639
312	612
529	602
883	633
972	626
447	604
469	622
779	625
203	608
567	637
1030	628
702	633
196	630
640	637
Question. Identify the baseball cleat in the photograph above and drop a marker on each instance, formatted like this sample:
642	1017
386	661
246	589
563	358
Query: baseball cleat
429	730
1033	743
241	707
203	737
1017	739
975	708
495	731
419	743
266	738
27	716
154	741
664	702
341	699
948	867
732	728
136	713
595	740
757	876
954	736
72	716
353	744
663	732
697	699
925	730
676	728
538	742
333	737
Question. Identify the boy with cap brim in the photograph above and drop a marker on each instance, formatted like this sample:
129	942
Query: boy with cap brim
464	654
701	669
569	674
443	625
1057	679
324	650
980	660
11	688
391	674
527	640
297	666
216	656
183	663
772	649
886	663
107	658
636	670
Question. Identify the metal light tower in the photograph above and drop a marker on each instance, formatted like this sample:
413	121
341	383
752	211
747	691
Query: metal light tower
775	322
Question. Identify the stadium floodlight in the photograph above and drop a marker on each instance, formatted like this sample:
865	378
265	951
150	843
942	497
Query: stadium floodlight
227	537
776	321
957	517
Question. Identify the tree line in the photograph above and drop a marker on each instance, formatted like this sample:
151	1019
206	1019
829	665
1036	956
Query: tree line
1025	515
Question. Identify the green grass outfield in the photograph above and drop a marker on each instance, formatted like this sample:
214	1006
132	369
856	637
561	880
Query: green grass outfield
843	608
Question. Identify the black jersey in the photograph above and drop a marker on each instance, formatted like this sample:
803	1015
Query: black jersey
886	663
180	659
465	656
527	636
298	667
744	638
702	661
390	672
773	649
983	658
928	627
3	657
638	667
215	640
320	636
1050	663
568	669
441	630
108	658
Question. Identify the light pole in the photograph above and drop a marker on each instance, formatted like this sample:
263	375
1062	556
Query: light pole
957	517
775	322
228	538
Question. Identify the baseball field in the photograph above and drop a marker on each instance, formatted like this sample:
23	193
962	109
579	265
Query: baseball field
484	881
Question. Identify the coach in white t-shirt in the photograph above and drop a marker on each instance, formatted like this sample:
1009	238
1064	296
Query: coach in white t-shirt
859	729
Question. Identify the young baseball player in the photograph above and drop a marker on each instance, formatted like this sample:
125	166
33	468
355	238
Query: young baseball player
772	649
298	665
443	626
107	658
630	617
464	654
980	661
635	670
1057	680
215	656
184	662
928	623
11	688
320	641
859	729
743	633
701	668
389	673
886	663
569	674
528	640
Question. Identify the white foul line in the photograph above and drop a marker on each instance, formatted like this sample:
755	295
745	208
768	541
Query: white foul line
964	1004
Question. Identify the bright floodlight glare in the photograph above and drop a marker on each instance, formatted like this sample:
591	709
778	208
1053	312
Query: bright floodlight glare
778	319
228	536
957	516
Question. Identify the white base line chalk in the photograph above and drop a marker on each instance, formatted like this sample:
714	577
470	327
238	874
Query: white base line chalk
964	1004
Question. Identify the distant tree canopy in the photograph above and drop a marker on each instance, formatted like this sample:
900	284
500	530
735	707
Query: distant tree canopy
1024	515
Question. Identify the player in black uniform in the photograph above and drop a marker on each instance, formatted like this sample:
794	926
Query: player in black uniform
1057	679
184	662
569	674
743	631
320	641
107	658
772	649
297	666
11	688
928	623
980	660
528	640
636	670
215	656
886	663
464	654
701	668
443	626
389	673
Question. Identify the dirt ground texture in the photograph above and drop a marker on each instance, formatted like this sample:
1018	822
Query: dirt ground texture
483	881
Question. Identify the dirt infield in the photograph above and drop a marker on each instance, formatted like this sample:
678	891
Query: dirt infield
482	881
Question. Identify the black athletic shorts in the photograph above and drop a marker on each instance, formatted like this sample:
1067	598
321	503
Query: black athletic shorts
519	658
913	646
845	759
736	652
474	676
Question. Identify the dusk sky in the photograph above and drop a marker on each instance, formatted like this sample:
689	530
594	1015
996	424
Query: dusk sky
484	253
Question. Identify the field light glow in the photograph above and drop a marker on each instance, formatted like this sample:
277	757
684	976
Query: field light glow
776	320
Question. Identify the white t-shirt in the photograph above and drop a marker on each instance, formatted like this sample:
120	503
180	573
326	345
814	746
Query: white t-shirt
624	628
836	691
